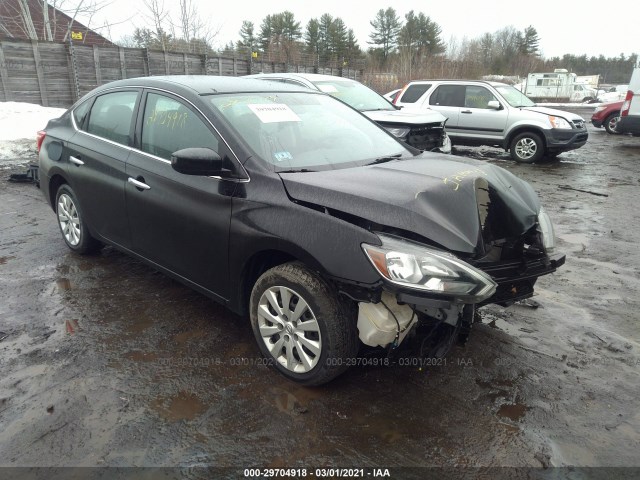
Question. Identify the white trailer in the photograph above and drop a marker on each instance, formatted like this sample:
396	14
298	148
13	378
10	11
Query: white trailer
558	86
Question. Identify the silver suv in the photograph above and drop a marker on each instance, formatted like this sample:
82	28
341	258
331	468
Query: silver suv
423	130
496	114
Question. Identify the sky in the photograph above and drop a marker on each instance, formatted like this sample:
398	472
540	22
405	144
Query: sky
581	27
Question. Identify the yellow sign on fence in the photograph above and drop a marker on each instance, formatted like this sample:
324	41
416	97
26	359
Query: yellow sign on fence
76	35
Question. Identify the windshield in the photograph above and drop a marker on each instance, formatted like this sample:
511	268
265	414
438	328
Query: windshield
355	94
305	131
514	97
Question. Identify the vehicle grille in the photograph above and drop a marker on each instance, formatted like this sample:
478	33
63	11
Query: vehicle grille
579	124
426	137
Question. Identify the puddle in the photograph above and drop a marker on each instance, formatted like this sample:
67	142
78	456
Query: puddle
63	284
513	411
183	406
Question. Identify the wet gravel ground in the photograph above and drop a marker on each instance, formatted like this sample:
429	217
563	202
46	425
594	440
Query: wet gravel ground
104	362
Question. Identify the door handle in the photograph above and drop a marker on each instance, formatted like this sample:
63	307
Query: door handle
75	160
466	111
138	184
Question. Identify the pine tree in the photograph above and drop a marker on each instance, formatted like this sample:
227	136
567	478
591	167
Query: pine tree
386	27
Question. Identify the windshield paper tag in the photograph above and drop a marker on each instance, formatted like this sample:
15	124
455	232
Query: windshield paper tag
281	156
274	112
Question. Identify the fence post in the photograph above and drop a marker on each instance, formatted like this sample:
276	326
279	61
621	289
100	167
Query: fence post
166	63
145	63
96	63
40	74
4	76
235	66
186	67
123	65
220	66
204	63
73	73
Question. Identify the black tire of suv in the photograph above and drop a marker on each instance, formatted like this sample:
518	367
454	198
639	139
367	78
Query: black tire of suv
610	123
87	244
539	147
336	318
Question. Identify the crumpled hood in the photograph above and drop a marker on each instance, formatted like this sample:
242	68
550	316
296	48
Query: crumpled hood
554	112
407	117
448	200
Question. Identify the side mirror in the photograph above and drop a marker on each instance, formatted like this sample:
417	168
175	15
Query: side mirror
494	104
197	161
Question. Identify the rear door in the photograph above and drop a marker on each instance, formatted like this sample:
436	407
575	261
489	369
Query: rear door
180	222
448	100
97	156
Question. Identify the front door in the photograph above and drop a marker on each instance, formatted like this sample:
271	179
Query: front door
180	222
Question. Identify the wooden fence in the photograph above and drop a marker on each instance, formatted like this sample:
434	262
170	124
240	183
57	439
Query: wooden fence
57	74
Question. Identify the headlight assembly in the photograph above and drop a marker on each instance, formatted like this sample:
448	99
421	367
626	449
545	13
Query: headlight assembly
415	266
545	227
398	132
559	122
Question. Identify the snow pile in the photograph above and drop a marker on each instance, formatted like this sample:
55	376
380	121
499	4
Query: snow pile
19	123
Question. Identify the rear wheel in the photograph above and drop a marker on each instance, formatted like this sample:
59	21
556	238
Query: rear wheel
527	147
302	326
611	123
72	226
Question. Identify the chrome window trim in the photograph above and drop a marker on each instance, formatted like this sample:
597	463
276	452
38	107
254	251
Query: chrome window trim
150	155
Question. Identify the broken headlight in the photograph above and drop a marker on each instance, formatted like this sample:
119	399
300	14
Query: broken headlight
398	132
415	266
545	227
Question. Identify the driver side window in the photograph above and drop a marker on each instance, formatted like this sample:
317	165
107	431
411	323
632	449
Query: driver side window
169	125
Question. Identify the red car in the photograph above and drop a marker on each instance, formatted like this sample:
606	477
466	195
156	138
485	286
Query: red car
607	115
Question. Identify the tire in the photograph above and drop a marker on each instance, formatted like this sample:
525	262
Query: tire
611	123
72	225
319	352
527	147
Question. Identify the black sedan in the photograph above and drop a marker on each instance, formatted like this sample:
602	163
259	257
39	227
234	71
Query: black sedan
295	210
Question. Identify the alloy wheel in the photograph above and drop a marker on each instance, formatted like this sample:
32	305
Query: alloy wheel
69	219
289	329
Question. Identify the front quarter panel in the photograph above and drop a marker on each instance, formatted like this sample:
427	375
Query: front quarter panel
265	219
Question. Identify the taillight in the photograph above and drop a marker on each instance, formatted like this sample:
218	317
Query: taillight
39	139
395	99
624	111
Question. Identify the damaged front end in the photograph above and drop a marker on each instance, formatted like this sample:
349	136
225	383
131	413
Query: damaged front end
454	235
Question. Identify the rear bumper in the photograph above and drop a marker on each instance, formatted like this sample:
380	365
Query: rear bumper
558	140
629	124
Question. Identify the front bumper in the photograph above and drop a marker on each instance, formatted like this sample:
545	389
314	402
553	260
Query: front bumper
561	140
515	281
596	122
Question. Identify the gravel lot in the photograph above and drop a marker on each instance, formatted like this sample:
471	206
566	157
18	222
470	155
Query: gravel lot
104	362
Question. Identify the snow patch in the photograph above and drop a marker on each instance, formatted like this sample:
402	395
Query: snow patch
19	123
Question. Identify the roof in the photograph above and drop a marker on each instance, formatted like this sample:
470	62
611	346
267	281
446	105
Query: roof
206	84
311	77
458	80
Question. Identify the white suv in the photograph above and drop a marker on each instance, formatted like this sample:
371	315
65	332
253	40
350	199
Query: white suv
630	111
496	114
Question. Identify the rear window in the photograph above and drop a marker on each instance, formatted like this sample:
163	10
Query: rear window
414	92
111	116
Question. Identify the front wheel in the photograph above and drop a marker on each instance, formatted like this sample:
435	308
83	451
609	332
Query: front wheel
302	326
72	225
527	147
611	123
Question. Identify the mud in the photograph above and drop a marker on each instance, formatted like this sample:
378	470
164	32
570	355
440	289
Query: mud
107	362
